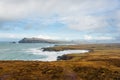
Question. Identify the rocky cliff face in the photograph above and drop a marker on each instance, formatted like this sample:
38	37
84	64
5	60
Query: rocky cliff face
37	40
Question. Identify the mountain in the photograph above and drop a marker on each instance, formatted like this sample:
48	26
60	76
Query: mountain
39	40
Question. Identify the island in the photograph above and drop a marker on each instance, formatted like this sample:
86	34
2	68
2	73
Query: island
39	40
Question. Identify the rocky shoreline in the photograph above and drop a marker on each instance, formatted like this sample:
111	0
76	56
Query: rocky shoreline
101	64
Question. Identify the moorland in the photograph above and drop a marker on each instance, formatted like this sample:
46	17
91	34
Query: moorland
102	62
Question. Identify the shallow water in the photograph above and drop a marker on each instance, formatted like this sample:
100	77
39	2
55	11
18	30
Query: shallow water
31	51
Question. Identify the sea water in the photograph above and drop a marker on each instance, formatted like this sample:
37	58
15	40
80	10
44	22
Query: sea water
31	51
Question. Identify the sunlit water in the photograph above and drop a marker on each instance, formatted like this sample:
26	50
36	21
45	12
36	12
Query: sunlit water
31	51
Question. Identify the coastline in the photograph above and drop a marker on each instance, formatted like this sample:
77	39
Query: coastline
102	63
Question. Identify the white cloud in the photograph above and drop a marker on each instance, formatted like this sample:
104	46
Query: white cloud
10	9
116	17
89	37
10	35
20	36
87	22
83	15
46	37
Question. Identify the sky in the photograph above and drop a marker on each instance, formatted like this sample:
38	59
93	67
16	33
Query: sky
60	19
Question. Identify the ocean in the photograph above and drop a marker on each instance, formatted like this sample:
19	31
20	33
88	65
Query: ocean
31	51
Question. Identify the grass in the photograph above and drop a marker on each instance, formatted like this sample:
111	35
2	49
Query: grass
102	63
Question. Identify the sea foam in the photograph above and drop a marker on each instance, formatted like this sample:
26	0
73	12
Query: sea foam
52	55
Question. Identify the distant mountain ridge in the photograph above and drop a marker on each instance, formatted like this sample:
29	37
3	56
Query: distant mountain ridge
39	40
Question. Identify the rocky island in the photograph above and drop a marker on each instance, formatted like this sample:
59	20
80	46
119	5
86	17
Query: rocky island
39	40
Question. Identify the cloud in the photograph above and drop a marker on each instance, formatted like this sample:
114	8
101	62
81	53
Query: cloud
12	35
46	37
13	9
89	37
116	18
20	36
87	23
80	15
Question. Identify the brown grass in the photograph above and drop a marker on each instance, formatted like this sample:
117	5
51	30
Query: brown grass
101	64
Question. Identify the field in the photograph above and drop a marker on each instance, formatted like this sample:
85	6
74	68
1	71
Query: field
101	63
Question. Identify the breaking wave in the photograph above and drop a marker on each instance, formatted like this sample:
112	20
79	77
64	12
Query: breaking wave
52	55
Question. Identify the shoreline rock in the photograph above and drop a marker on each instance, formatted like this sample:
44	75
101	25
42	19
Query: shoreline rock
64	57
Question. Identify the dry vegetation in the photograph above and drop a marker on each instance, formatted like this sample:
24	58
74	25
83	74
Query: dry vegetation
102	63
